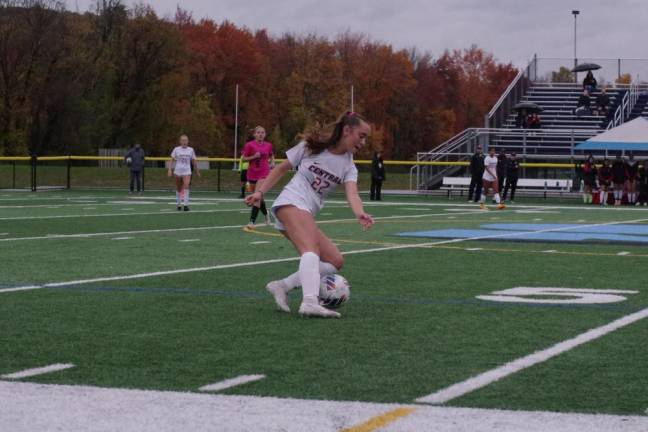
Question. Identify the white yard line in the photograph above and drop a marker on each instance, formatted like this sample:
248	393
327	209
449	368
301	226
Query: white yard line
189	240
121	238
259	242
101	234
232	382
76	408
278	260
84	235
112	214
273	261
456	390
38	371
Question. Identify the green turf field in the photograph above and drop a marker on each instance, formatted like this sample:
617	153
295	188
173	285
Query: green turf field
137	295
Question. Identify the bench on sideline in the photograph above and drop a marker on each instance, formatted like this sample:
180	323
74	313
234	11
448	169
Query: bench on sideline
527	185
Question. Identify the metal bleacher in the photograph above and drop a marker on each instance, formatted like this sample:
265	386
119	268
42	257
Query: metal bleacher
560	131
558	101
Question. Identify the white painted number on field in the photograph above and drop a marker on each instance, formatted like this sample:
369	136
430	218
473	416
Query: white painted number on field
571	295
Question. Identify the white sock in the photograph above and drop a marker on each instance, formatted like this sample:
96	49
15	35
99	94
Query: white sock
309	276
186	197
497	198
482	200
293	281
603	198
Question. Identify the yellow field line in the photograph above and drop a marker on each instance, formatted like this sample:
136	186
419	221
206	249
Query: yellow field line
380	421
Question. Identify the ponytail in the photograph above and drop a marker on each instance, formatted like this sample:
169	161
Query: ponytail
319	137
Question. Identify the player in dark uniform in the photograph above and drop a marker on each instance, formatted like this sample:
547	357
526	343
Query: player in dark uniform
476	173
512	173
605	180
619	177
589	179
643	184
632	169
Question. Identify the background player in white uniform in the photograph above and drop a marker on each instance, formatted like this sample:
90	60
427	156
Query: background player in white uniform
182	158
489	179
324	160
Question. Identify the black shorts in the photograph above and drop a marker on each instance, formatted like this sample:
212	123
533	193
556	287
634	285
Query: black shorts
243	176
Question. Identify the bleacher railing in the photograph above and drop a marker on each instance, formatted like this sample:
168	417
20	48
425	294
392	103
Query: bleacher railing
623	111
541	145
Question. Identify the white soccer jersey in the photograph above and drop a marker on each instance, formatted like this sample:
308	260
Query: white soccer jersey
490	164
317	175
183	157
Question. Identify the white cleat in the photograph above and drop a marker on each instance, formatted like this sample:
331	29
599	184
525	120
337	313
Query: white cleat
309	309
280	293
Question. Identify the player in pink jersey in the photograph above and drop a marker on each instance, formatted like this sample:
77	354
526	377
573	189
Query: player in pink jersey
258	153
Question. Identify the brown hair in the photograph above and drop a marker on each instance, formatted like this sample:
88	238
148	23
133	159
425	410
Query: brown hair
319	137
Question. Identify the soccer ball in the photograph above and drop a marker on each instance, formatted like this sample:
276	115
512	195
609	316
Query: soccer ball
334	291
129	161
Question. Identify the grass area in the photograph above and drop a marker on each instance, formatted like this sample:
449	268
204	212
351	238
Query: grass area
413	324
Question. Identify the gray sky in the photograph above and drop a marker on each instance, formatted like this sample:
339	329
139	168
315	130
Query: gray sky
512	30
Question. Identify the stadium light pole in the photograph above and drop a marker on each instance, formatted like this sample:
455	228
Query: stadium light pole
575	13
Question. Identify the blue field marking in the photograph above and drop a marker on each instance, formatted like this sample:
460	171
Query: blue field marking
630	229
565	233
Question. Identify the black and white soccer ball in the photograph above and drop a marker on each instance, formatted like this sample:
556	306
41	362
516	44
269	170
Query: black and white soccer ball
334	291
129	161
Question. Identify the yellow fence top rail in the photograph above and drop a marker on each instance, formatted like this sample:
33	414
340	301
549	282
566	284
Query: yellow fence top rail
231	160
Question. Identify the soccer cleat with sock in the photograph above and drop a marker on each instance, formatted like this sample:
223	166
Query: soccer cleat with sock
500	206
315	310
279	291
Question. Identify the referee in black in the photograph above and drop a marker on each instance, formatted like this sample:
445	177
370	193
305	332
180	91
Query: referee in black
476	173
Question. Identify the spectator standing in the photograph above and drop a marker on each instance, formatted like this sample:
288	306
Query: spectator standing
476	174
619	177
602	103
134	159
501	168
377	176
589	179
589	83
643	184
605	180
512	173
632	171
583	105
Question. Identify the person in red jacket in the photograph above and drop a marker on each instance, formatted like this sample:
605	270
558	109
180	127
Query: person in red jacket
605	180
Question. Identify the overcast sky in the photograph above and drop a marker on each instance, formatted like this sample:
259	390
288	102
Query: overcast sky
512	30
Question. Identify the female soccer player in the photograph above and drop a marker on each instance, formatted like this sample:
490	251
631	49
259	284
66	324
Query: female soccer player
632	169
489	179
324	160
605	177
589	179
258	153
182	158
